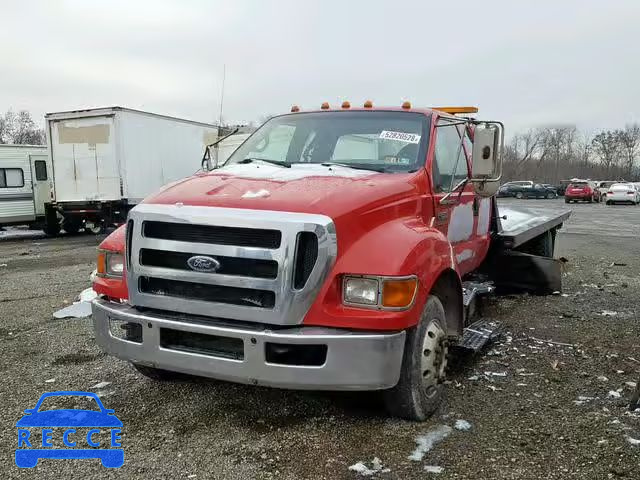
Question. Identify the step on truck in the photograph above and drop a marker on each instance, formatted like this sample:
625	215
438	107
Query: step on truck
336	249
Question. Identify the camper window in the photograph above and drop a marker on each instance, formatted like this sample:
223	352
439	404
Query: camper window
41	170
11	178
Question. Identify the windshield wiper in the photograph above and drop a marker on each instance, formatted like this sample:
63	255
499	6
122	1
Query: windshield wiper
354	166
274	162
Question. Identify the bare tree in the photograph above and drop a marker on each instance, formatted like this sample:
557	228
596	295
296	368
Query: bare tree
606	145
629	139
19	128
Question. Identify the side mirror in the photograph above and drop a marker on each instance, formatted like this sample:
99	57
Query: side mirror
486	169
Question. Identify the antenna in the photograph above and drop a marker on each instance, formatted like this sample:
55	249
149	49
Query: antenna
224	74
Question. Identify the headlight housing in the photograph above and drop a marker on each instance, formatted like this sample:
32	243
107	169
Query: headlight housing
384	293
110	264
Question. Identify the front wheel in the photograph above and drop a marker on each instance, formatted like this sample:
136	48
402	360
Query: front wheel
519	195
421	386
550	196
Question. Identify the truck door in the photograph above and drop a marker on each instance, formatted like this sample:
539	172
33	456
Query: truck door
40	181
456	210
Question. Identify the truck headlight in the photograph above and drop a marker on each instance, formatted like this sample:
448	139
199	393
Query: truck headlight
359	290
385	293
110	264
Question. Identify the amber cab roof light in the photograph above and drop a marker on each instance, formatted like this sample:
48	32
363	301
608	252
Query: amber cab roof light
295	108
368	104
406	105
457	110
325	106
346	104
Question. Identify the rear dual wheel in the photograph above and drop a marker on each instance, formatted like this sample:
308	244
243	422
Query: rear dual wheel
420	388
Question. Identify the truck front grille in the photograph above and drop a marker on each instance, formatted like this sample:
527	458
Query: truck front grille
261	266
247	297
213	234
306	256
246	267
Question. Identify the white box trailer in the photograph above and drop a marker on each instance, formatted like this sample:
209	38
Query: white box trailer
25	184
106	160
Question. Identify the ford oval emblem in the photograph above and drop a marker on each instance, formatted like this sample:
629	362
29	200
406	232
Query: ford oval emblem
202	263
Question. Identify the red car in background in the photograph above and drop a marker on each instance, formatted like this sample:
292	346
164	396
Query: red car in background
577	191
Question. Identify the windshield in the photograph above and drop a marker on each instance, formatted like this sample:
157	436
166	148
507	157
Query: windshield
378	140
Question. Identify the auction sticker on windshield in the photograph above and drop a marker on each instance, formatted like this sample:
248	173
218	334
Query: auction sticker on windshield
400	136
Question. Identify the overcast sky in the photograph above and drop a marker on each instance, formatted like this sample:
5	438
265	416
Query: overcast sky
546	62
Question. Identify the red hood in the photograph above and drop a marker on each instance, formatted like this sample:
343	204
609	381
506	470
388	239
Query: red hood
302	188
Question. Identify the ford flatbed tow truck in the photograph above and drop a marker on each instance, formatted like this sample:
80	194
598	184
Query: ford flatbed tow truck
336	249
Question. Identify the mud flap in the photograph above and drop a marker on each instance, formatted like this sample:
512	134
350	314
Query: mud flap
513	271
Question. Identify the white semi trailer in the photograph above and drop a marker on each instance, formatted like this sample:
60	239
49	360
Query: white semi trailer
106	160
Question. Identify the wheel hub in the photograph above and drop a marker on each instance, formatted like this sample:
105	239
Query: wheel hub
434	357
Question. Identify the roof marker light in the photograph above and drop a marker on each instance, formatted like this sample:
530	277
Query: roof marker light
406	105
346	104
455	110
368	104
295	108
325	106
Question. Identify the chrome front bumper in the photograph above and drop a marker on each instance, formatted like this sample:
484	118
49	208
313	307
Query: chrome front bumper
354	360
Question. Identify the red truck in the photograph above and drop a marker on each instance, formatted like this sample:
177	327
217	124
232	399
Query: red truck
337	249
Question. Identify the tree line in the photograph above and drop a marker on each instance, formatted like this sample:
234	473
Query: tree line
546	155
552	154
19	128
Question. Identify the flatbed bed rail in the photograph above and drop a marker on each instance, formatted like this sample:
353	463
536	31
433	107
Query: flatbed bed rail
517	225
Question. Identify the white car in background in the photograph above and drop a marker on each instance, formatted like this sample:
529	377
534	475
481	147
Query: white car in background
623	193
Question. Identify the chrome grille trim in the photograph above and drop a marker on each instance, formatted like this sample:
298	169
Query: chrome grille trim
290	305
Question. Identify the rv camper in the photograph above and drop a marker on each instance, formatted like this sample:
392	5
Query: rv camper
25	184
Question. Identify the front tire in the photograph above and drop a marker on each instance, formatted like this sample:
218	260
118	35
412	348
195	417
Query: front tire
519	196
421	386
550	196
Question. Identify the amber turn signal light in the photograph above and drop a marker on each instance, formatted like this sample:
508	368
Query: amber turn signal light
398	293
102	263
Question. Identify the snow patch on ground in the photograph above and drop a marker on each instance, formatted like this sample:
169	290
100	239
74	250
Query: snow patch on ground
10	233
79	309
462	425
376	467
101	385
433	469
633	441
427	441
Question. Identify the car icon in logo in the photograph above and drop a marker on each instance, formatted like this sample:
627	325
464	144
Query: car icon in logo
202	263
69	433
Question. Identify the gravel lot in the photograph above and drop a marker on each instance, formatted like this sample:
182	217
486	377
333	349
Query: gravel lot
543	410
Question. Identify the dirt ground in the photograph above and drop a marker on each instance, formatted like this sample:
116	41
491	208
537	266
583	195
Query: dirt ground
546	402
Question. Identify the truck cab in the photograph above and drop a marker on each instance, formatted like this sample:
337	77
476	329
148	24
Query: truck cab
328	253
